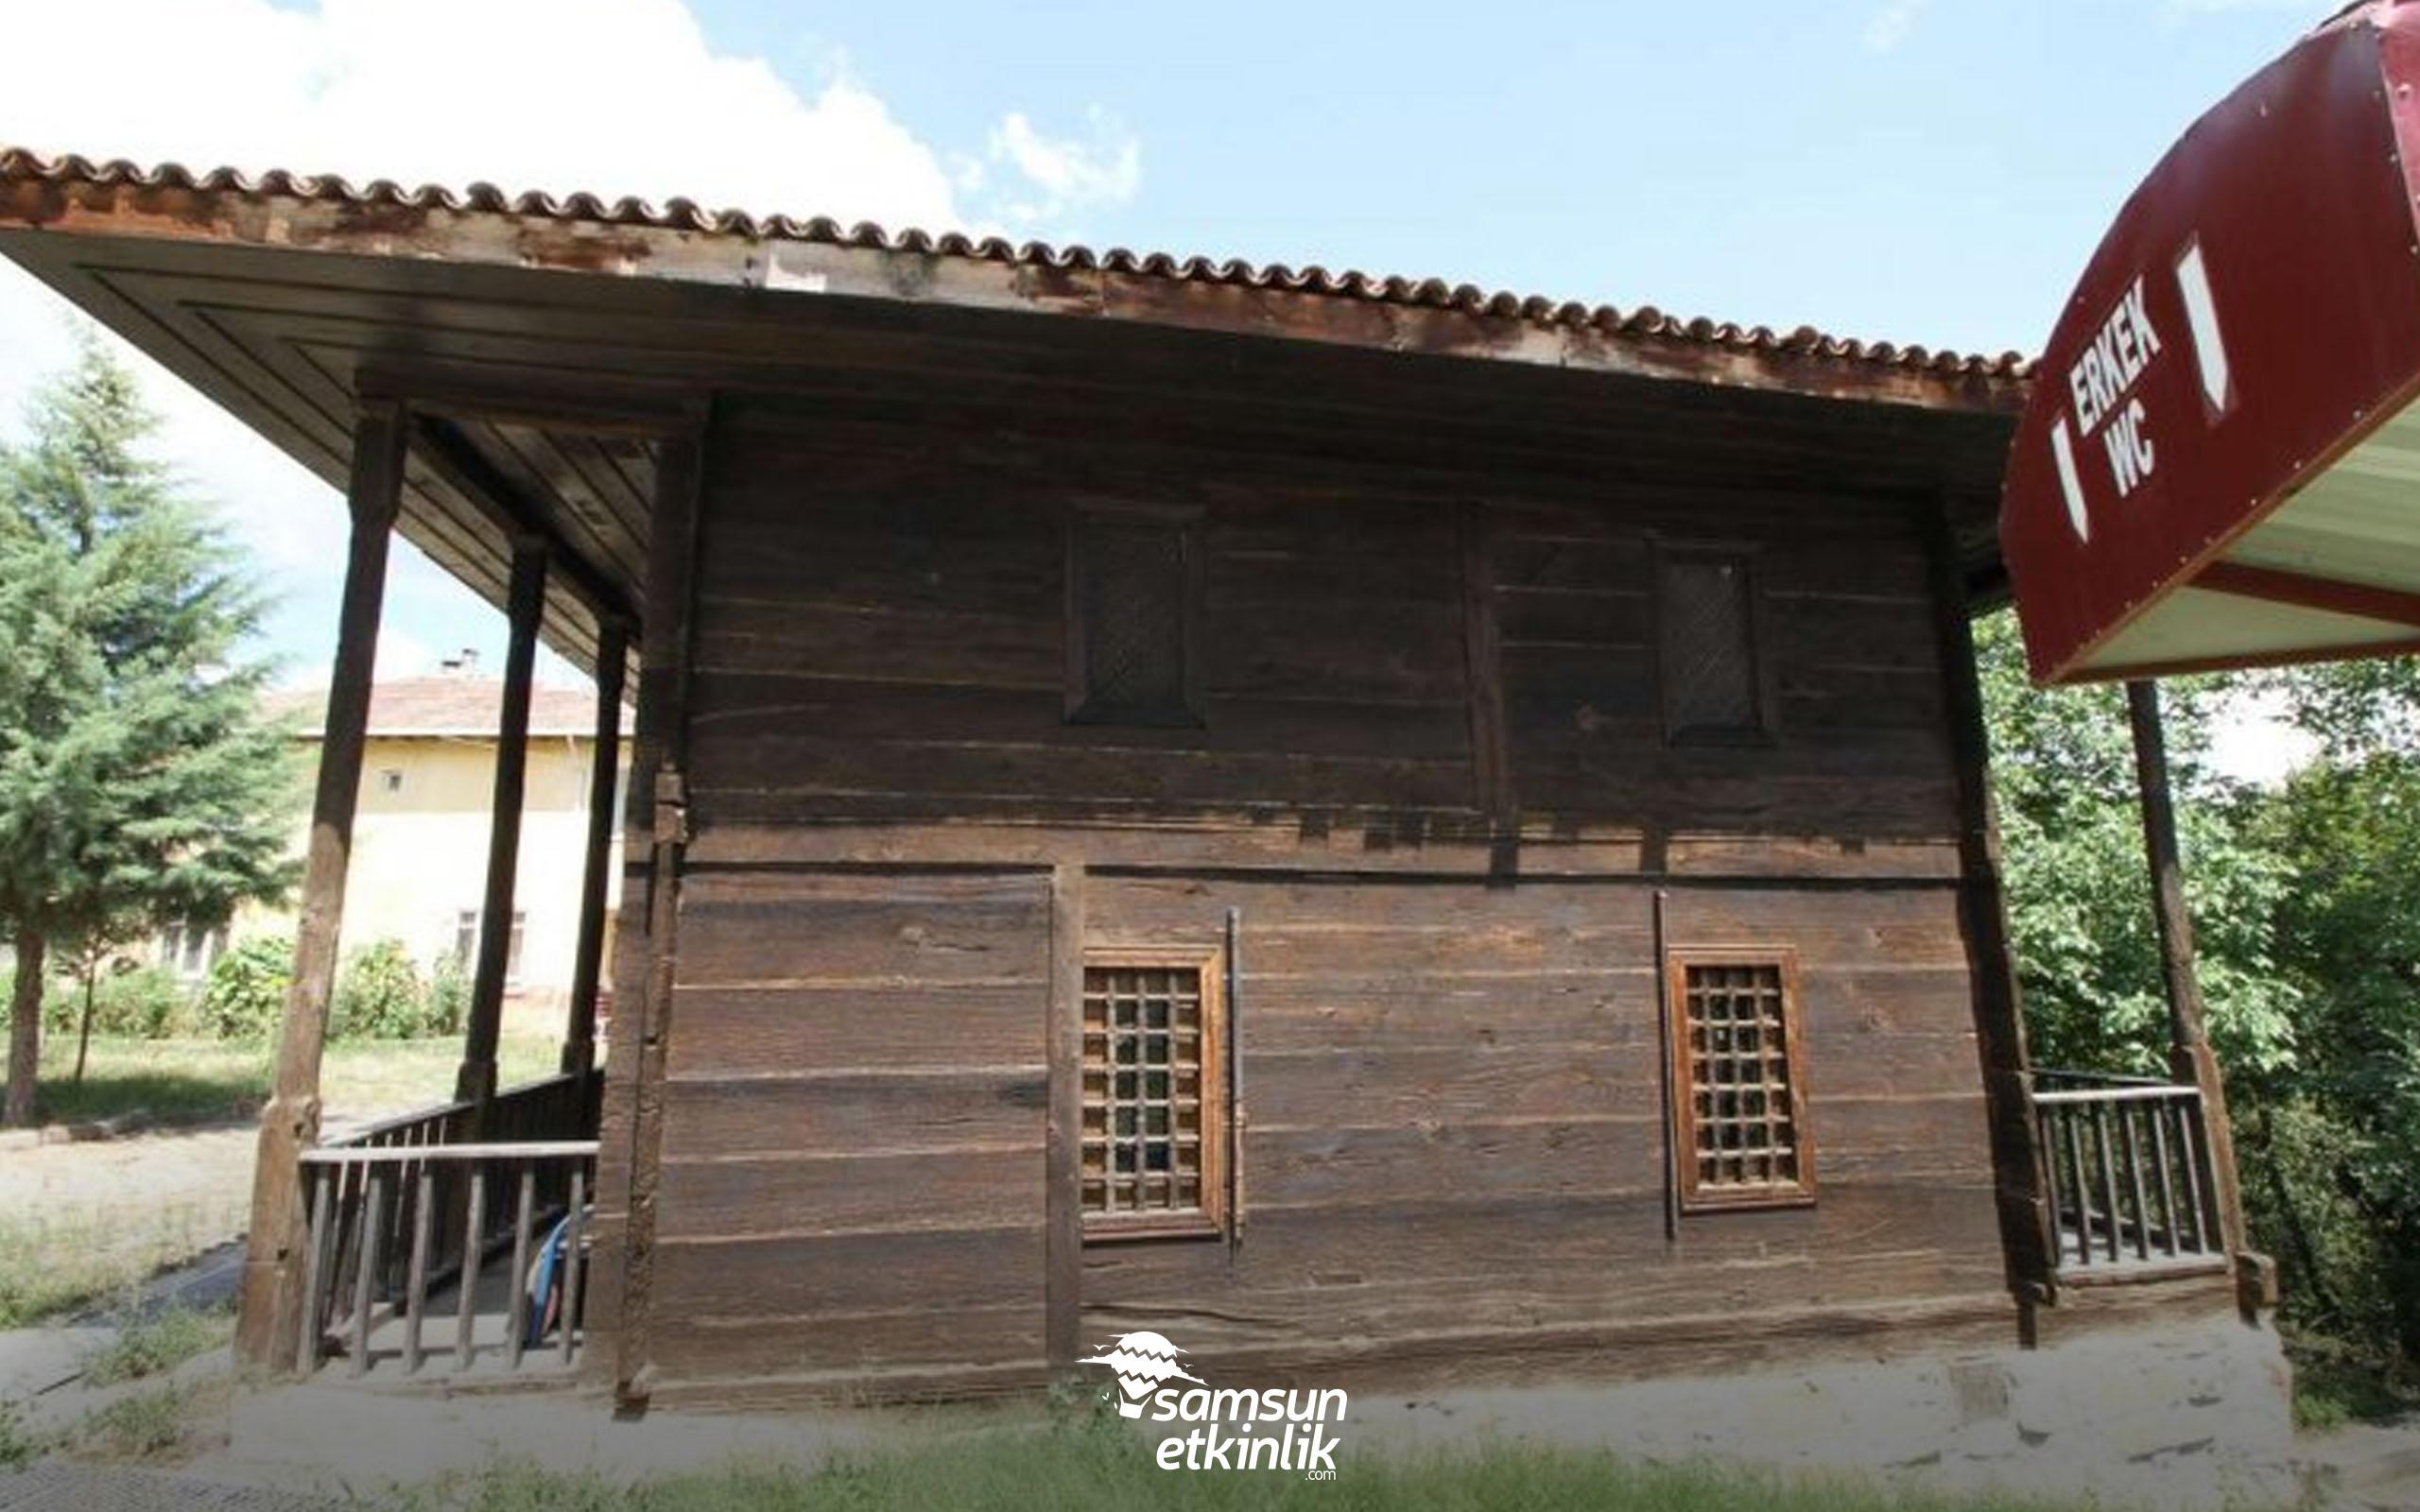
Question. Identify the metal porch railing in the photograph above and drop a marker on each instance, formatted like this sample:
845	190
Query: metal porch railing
406	1211
2128	1163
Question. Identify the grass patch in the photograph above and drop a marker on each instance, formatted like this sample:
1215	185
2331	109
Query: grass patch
204	1081
146	1346
1093	1468
19	1445
141	1426
2336	1383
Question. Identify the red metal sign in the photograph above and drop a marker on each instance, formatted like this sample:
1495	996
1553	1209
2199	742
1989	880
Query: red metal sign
2252	313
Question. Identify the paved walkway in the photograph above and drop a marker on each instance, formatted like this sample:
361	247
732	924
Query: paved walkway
2376	1465
56	1486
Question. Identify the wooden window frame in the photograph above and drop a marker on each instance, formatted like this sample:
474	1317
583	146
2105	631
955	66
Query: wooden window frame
1210	1220
1080	707
1760	678
1683	1101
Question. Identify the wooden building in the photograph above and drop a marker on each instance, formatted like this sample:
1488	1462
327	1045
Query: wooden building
1397	834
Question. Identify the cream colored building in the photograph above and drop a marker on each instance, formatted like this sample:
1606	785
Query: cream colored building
420	834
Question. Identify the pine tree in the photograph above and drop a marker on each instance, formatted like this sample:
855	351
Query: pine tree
137	778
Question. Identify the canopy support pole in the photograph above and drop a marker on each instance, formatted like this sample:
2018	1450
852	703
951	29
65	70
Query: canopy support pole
270	1319
604	768
525	603
2190	1058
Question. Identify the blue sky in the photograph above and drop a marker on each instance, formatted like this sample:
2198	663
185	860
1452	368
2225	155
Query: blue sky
1930	171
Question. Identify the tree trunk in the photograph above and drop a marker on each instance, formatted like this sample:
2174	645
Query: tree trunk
84	1030
25	1029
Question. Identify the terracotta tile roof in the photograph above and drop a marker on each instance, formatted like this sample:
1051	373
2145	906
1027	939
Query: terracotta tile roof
447	706
685	216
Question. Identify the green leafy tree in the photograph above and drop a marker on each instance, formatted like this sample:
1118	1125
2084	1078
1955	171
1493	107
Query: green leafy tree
136	777
2079	885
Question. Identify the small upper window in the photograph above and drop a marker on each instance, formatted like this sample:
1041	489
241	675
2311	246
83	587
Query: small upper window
1738	1116
1132	605
1709	664
1154	1157
392	780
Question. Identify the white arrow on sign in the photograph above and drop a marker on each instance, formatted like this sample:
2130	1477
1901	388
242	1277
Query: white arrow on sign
2062	449
2202	315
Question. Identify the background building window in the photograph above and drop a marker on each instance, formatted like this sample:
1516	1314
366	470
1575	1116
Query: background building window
191	950
391	780
1133	596
466	943
1708	665
1154	1128
1738	1119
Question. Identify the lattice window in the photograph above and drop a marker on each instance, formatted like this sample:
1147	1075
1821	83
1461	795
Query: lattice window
1155	1161
1738	1123
1713	684
1132	604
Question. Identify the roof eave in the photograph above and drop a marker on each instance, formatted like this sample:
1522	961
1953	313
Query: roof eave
784	259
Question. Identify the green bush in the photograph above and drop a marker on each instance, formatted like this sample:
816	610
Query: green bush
149	1003
245	998
449	996
379	995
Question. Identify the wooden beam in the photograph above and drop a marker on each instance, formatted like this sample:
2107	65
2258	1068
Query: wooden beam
604	771
593	407
2190	1058
462	466
660	749
270	1322
2019	1183
2276	586
1063	1238
525	604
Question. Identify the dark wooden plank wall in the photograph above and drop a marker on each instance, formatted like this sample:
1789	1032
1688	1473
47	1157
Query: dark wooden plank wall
1454	1147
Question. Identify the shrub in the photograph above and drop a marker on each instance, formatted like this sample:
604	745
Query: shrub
449	996
149	1003
245	998
379	995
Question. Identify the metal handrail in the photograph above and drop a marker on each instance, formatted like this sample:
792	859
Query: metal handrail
2149	1094
405	1154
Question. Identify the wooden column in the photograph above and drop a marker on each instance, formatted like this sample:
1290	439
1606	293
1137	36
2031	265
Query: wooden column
604	768
524	602
2017	1178
1063	1234
2190	1058
657	757
270	1319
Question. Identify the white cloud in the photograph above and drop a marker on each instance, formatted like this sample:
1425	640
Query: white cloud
1061	174
618	98
1889	26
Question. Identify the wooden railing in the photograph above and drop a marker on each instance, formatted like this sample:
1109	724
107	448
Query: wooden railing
2129	1162
408	1206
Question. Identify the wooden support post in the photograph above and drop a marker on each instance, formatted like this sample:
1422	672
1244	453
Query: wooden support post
526	601
604	769
270	1319
2190	1058
2018	1180
1062	1233
657	758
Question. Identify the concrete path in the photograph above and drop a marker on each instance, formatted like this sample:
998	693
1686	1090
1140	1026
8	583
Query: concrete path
56	1486
2375	1466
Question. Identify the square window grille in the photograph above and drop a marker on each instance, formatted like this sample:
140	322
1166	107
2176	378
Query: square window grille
1739	1121
1153	1156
